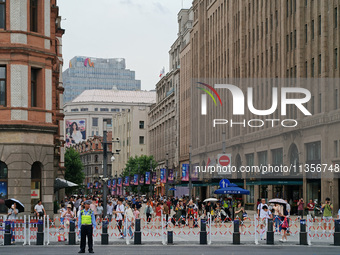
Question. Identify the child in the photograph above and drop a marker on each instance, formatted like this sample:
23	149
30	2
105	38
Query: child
136	213
265	215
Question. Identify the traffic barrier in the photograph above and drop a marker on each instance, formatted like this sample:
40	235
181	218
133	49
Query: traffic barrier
137	234
337	233
105	235
72	234
236	234
270	232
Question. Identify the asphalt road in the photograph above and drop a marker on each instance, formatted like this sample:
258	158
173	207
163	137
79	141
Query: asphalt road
173	250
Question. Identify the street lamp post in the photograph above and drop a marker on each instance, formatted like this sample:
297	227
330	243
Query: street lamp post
151	174
104	172
190	183
166	174
139	187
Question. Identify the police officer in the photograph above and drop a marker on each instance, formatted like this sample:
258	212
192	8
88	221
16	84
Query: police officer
86	223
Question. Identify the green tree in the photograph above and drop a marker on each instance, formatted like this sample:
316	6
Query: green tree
139	165
74	169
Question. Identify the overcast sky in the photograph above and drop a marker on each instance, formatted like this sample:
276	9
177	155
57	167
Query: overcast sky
141	31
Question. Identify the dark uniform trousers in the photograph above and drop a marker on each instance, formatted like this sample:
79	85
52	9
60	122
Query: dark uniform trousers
86	231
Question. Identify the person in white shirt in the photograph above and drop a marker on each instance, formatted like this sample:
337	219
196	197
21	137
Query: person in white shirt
129	216
39	209
260	212
266	214
119	216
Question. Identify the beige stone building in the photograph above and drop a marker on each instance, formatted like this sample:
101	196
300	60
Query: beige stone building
131	127
168	128
267	39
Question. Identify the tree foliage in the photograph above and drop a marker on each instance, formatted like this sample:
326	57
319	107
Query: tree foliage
74	169
139	165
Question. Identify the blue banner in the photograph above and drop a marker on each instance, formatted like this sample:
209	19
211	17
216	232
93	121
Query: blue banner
147	177
135	179
163	175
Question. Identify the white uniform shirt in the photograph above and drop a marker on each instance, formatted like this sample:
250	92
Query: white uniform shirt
120	208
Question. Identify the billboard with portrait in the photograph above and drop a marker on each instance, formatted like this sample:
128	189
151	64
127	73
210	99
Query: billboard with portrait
75	131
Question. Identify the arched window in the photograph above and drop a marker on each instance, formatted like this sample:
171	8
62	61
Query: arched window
35	183
3	186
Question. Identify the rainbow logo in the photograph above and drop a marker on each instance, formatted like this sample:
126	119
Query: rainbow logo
204	97
88	61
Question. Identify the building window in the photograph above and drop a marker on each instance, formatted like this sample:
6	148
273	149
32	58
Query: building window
306	69
115	110
336	58
313	151
84	109
336	148
336	99
3	187
96	157
312	68
320	103
312	29
312	104
34	15
104	109
96	109
262	158
141	124
287	41
75	110
319	24
108	122
141	140
34	87
36	170
96	170
2	85
2	14
306	33
319	64
95	122
335	17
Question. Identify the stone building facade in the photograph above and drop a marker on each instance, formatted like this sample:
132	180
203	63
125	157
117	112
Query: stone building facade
91	155
31	115
268	39
131	127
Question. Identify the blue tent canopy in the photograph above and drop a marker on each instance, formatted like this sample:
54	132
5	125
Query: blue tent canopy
232	190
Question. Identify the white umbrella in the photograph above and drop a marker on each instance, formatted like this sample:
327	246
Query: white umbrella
278	201
212	199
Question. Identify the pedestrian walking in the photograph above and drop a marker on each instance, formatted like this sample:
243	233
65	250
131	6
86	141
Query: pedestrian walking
119	217
86	224
12	217
109	210
148	212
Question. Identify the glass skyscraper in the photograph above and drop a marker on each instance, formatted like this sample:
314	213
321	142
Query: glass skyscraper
97	73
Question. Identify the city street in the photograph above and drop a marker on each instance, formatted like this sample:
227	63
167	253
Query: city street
182	250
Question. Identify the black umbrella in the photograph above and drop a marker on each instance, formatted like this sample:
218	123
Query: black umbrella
20	206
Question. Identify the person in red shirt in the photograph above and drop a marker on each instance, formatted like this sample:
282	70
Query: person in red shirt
159	209
311	208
